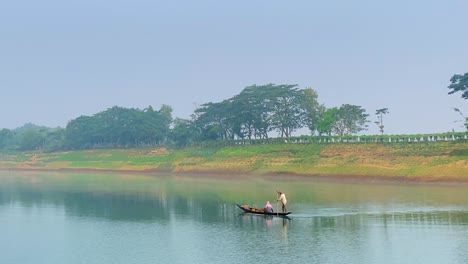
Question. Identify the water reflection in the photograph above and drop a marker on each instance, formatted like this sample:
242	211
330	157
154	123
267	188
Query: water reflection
285	228
164	200
179	220
355	221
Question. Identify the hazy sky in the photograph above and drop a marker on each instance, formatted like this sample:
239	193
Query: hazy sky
62	59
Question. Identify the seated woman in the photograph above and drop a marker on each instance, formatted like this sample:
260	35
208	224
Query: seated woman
268	208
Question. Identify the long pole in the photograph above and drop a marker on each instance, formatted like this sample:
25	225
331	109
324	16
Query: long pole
277	212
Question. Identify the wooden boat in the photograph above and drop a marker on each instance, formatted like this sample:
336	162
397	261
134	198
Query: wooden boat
253	210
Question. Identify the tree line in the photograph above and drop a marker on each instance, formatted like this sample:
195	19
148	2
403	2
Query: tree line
257	112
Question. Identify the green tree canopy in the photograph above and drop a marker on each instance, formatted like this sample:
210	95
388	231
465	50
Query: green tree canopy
6	138
287	113
380	113
120	127
214	120
252	108
326	121
31	139
183	133
350	119
459	83
313	109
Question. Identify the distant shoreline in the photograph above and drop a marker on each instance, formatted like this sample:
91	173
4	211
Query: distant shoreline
437	163
345	179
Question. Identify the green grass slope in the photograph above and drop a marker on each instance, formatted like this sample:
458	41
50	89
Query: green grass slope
427	160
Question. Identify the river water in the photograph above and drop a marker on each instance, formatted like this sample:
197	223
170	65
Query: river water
101	218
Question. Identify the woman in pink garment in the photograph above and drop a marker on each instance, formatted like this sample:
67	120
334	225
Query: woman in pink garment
268	208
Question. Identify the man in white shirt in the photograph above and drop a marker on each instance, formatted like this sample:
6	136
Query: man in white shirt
282	198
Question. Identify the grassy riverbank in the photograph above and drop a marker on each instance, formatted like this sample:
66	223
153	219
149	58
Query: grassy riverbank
423	161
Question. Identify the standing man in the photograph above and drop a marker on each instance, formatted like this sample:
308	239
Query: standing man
282	198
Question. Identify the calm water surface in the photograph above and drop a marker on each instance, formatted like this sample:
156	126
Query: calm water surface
86	218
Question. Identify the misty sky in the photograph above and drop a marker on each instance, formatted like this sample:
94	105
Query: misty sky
62	59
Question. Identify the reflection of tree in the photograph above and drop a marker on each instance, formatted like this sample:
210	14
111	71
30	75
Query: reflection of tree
417	218
114	197
85	204
346	221
116	206
426	218
285	228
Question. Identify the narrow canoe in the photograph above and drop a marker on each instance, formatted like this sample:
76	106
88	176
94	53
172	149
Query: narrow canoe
252	210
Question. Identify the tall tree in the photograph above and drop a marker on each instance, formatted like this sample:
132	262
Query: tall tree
158	124
313	109
54	139
252	109
257	110
31	139
465	119
459	83
213	120
380	113
120	127
6	138
117	126
350	119
166	113
327	121
287	113
183	133
83	132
